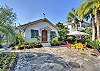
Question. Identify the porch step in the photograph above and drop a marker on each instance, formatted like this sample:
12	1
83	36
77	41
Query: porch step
46	44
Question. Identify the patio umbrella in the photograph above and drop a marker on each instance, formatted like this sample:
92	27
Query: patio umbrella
77	33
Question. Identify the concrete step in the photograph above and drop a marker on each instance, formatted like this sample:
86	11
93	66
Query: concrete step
46	44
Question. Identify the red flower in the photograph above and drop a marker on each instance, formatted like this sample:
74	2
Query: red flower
68	45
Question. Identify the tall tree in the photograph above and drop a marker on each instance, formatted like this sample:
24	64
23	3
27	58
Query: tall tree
7	23
62	30
92	8
73	18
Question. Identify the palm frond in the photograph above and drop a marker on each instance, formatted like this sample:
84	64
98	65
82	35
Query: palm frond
85	8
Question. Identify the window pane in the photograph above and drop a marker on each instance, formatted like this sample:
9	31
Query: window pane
52	34
34	33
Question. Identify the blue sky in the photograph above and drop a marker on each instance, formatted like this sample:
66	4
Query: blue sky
30	10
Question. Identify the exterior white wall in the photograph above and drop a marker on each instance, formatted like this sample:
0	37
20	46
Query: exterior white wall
39	26
70	28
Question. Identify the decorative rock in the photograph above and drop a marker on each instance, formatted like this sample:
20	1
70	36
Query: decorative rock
93	54
74	65
98	57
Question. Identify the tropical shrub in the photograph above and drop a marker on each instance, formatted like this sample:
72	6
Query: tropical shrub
34	43
71	39
19	38
38	45
55	42
20	46
94	44
90	44
98	44
62	31
83	41
29	45
88	30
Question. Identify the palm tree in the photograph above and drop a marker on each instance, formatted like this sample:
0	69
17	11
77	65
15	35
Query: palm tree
92	8
72	17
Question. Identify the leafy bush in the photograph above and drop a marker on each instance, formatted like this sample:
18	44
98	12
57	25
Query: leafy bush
94	44
29	45
88	30
37	45
20	46
33	43
55	42
71	39
62	31
19	38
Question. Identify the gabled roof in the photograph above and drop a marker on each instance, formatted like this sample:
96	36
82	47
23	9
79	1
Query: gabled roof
37	21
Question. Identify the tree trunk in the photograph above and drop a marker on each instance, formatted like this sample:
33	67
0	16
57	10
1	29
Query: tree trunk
93	29
98	31
97	17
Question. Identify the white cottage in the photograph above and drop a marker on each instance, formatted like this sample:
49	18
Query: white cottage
42	29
